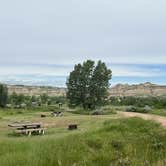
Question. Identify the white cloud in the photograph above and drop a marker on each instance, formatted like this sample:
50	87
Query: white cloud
35	34
134	70
68	32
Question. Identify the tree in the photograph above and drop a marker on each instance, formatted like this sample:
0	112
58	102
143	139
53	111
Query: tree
44	98
88	84
16	99
3	95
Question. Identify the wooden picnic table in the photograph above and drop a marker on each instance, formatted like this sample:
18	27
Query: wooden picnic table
25	125
27	128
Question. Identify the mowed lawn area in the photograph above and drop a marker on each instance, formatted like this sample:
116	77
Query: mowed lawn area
103	140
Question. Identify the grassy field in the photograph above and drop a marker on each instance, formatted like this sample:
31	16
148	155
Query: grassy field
107	140
161	112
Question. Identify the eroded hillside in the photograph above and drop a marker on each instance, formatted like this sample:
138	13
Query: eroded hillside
36	90
146	89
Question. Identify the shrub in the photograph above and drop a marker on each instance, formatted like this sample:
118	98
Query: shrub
108	110
145	109
97	112
80	111
131	109
156	102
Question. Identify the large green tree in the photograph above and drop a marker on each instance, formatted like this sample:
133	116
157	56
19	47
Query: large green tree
88	84
3	95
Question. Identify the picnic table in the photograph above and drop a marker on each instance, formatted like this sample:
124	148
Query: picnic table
28	128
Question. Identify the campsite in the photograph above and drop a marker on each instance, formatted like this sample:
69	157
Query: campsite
83	83
99	139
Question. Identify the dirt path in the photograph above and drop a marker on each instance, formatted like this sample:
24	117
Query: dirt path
160	119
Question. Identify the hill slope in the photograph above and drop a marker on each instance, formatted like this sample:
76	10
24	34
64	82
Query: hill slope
36	90
146	89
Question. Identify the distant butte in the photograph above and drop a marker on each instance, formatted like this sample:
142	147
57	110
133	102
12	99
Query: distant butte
146	89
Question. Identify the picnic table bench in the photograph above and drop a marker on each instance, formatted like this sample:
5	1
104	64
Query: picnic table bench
28	128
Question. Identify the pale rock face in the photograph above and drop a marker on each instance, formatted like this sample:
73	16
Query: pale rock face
35	90
146	89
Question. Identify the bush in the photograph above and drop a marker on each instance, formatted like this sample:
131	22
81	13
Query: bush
156	102
80	111
108	110
97	112
100	111
142	110
131	109
145	109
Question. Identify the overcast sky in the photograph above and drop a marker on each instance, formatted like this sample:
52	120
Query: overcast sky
48	37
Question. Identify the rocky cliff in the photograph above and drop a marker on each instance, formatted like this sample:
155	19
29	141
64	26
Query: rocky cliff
146	89
36	90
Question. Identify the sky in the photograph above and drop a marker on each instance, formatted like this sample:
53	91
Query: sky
40	41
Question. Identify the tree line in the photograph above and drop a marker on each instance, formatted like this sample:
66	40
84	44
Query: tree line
87	87
15	100
152	101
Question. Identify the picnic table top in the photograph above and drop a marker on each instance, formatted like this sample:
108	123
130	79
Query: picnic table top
24	124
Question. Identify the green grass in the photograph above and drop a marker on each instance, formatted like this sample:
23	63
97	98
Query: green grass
105	140
161	112
120	142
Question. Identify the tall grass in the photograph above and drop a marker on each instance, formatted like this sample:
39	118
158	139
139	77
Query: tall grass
120	142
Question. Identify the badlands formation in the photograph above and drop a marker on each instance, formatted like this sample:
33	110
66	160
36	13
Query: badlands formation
146	89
